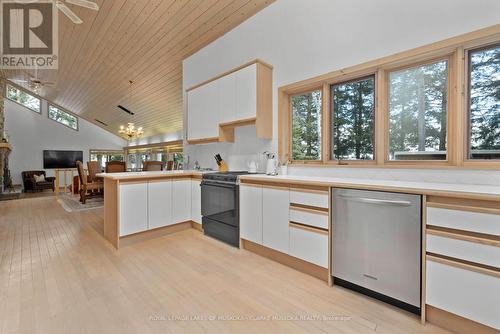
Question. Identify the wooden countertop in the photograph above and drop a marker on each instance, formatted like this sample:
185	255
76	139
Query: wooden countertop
152	175
486	192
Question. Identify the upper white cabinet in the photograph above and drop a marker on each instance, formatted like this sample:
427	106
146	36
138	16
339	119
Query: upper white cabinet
246	92
195	107
181	200
227	98
242	96
251	213
203	106
159	203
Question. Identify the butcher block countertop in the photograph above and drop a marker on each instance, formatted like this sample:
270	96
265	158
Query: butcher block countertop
486	192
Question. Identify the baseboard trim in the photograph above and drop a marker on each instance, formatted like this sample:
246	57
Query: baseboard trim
285	259
455	323
155	233
196	226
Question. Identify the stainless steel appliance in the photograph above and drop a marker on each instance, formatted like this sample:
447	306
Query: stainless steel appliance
377	245
220	206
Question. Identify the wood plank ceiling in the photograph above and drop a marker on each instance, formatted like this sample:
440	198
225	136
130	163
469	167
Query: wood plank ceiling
142	41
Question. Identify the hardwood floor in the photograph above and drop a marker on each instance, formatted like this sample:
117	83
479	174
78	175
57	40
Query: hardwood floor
59	275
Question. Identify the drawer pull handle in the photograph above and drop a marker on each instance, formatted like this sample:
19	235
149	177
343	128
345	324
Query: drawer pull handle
308	228
371	277
376	201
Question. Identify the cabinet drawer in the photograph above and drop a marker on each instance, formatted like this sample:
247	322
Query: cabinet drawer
464	220
309	217
310	246
466	293
465	250
315	198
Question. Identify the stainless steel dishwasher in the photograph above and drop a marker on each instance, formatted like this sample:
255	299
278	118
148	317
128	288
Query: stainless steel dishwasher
377	245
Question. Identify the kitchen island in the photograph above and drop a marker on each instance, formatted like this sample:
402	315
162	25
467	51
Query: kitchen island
150	202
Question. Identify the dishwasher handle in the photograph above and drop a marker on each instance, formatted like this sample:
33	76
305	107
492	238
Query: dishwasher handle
376	201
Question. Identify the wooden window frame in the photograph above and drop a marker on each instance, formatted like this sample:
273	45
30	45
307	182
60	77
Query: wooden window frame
290	124
39	112
449	58
329	124
467	161
454	50
65	111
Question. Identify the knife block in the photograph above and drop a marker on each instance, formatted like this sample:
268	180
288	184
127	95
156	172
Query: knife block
223	166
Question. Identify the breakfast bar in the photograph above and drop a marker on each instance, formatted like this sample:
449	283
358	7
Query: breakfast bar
143	202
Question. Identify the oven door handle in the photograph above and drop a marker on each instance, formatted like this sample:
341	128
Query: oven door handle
223	184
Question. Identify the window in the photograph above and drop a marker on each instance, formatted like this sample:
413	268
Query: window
63	117
23	98
353	114
306	126
484	103
104	156
418	111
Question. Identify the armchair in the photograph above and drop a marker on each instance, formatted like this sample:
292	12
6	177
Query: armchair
31	185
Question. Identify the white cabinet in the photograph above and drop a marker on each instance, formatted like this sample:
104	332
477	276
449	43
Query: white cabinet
231	98
246	92
133	208
467	293
210	111
275	204
159	203
195	109
464	220
309	245
181	200
196	201
309	197
203	112
227	98
251	213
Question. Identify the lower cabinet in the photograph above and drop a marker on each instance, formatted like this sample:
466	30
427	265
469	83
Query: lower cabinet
265	219
309	245
159	203
469	294
196	201
251	213
181	200
133	208
275	207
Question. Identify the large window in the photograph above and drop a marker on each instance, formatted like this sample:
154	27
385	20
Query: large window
306	126
435	105
418	111
23	98
484	103
353	115
63	117
103	156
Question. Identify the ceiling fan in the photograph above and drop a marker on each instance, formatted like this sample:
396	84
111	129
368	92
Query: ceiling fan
34	84
65	9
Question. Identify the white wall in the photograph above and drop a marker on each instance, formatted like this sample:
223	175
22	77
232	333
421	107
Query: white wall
30	133
302	39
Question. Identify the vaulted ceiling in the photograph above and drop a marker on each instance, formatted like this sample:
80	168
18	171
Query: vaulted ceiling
138	40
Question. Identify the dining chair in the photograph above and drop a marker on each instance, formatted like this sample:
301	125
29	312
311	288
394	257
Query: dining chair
150	166
115	167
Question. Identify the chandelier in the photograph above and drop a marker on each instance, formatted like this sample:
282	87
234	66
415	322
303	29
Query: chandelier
131	132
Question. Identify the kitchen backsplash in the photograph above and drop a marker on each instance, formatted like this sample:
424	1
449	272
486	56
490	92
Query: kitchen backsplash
245	148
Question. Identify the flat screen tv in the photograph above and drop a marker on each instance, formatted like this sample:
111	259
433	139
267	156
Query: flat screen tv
61	159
